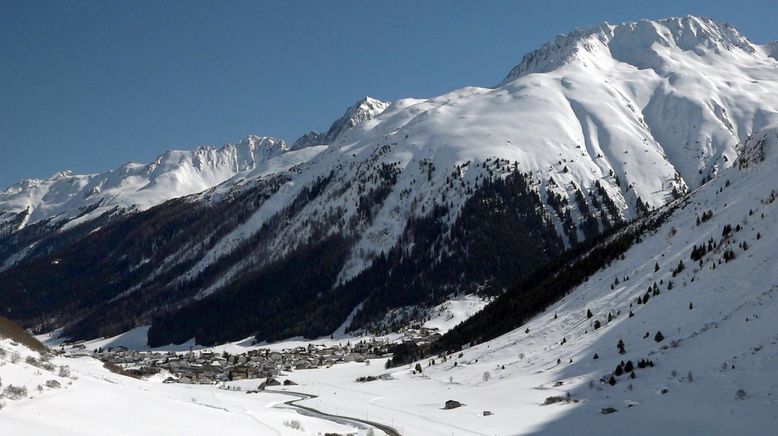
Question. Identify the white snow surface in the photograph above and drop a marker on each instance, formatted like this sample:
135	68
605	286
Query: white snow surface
93	401
445	316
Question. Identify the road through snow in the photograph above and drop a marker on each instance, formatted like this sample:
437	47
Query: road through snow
340	419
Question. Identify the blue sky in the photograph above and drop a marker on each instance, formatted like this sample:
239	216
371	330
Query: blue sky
90	85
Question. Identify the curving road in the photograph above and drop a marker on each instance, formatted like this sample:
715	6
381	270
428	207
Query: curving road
310	411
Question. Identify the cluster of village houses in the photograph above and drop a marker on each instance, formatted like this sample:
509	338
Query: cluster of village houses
209	367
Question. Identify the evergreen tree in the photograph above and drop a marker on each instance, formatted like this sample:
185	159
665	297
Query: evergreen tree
679	268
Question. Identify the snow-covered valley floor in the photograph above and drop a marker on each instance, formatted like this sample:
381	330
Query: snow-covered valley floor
93	401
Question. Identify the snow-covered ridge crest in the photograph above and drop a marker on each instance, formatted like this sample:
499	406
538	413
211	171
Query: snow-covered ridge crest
134	186
686	33
175	173
364	109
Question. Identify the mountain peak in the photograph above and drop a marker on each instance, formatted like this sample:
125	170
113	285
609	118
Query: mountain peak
369	103
308	139
362	110
254	142
255	149
631	41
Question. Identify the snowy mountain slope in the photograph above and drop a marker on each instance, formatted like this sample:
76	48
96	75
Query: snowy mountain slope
465	192
578	110
66	200
677	76
712	371
446	315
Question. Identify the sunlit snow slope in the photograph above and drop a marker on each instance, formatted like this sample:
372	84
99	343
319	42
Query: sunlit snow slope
642	108
712	371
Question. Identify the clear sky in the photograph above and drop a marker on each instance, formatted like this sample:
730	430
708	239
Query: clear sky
90	85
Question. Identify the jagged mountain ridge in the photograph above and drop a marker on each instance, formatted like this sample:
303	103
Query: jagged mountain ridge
134	186
686	33
66	196
576	148
363	110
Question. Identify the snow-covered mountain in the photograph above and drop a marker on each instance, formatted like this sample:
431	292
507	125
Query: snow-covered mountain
699	341
691	301
642	108
408	202
66	196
